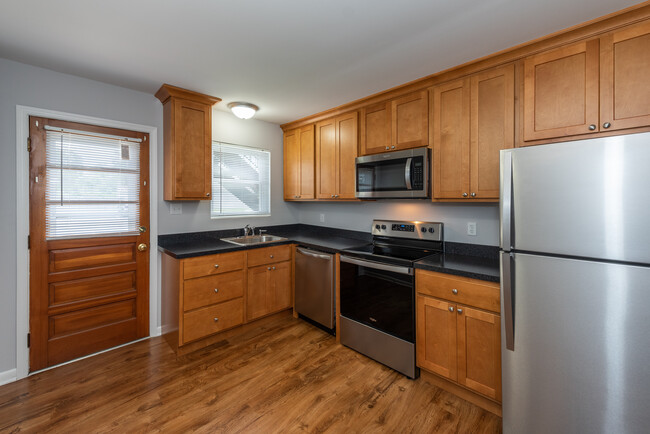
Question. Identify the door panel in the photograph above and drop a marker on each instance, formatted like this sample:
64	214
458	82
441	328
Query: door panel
585	198
348	140
307	163
561	92
281	281
259	283
625	94
375	128
291	165
581	347
86	294
410	126
192	165
436	336
326	154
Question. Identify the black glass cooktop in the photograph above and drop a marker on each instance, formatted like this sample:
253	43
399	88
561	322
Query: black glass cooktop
396	254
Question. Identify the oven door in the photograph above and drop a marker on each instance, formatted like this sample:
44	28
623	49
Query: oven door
402	174
381	296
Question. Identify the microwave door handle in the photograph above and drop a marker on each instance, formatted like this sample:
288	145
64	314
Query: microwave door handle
407	174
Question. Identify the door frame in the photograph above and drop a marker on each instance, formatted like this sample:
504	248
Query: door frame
22	221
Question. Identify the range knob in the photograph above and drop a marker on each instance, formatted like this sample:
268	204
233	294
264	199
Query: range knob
431	230
377	227
383	226
424	229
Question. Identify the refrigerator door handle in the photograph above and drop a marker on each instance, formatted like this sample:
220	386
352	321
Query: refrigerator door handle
508	294
505	204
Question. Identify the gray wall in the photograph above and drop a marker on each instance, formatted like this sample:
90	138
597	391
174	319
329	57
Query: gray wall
196	214
358	216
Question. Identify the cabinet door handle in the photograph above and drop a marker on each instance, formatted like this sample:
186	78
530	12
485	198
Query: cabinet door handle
451	308
464	194
473	194
216	319
216	290
268	268
459	311
273	268
207	194
607	125
592	127
271	256
216	265
392	147
455	291
387	148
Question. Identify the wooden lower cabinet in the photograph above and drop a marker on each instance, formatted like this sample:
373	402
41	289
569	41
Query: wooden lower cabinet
458	342
269	289
206	295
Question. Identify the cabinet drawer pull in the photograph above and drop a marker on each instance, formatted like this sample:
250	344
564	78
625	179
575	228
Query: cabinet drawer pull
451	308
455	291
216	265
216	319
216	290
271	256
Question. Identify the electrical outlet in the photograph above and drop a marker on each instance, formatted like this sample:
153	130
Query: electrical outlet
176	208
471	228
322	218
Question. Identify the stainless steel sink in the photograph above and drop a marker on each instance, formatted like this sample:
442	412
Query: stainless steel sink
250	240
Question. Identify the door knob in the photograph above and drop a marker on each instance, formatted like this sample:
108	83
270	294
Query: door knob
142	229
142	247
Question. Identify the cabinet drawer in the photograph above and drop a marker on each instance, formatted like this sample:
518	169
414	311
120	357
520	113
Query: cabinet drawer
472	292
213	264
268	255
205	291
212	319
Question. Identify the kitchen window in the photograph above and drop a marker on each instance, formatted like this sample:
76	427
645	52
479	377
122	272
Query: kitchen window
241	181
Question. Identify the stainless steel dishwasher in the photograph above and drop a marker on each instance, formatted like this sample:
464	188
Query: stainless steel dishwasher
314	297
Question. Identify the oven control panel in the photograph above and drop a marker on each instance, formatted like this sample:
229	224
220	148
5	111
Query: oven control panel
430	231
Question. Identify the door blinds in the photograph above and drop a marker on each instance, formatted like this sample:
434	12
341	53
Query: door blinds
92	184
241	180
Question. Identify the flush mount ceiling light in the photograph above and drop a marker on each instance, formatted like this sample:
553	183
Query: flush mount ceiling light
243	110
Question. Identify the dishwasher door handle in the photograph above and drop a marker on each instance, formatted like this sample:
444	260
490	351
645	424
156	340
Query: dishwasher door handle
377	265
313	254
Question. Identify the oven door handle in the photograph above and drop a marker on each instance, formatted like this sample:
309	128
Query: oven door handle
407	174
377	265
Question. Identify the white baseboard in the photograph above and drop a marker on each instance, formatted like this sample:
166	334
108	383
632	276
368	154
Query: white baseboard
158	332
7	376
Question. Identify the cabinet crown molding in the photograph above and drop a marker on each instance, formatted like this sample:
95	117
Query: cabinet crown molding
167	91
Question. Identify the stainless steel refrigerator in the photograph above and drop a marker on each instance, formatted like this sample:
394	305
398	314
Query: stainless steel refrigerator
575	286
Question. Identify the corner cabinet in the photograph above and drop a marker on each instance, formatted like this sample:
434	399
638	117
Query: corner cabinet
336	151
564	88
397	124
187	130
299	163
472	120
458	334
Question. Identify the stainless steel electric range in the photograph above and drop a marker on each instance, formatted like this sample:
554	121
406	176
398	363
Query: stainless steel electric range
378	291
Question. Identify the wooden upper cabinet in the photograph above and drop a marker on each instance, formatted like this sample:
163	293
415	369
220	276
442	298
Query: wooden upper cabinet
299	163
624	89
561	92
187	118
492	128
375	128
410	121
450	131
400	123
336	150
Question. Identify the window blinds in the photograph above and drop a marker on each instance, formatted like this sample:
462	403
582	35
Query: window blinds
241	180
92	184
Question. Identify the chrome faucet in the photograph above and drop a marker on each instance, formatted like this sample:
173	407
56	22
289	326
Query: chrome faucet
248	230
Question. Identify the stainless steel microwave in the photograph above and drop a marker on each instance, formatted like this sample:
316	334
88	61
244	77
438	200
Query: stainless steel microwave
401	174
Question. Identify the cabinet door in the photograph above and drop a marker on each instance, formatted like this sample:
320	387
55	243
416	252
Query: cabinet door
375	128
280	286
624	90
291	165
307	166
436	336
326	159
410	121
257	296
492	128
479	351
561	92
192	174
347	140
451	140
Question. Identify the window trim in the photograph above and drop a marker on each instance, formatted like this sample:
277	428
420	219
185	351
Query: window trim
240	216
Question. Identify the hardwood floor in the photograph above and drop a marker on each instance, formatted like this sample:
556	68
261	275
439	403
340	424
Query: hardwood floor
287	376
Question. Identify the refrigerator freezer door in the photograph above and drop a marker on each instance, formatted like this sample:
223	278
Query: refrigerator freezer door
585	198
582	348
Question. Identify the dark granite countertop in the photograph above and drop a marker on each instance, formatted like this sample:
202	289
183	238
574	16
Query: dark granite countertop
468	260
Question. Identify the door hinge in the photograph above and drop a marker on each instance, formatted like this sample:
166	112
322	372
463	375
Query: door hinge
29	144
29	242
29	340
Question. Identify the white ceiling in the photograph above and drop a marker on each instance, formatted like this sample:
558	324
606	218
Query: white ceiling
292	58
